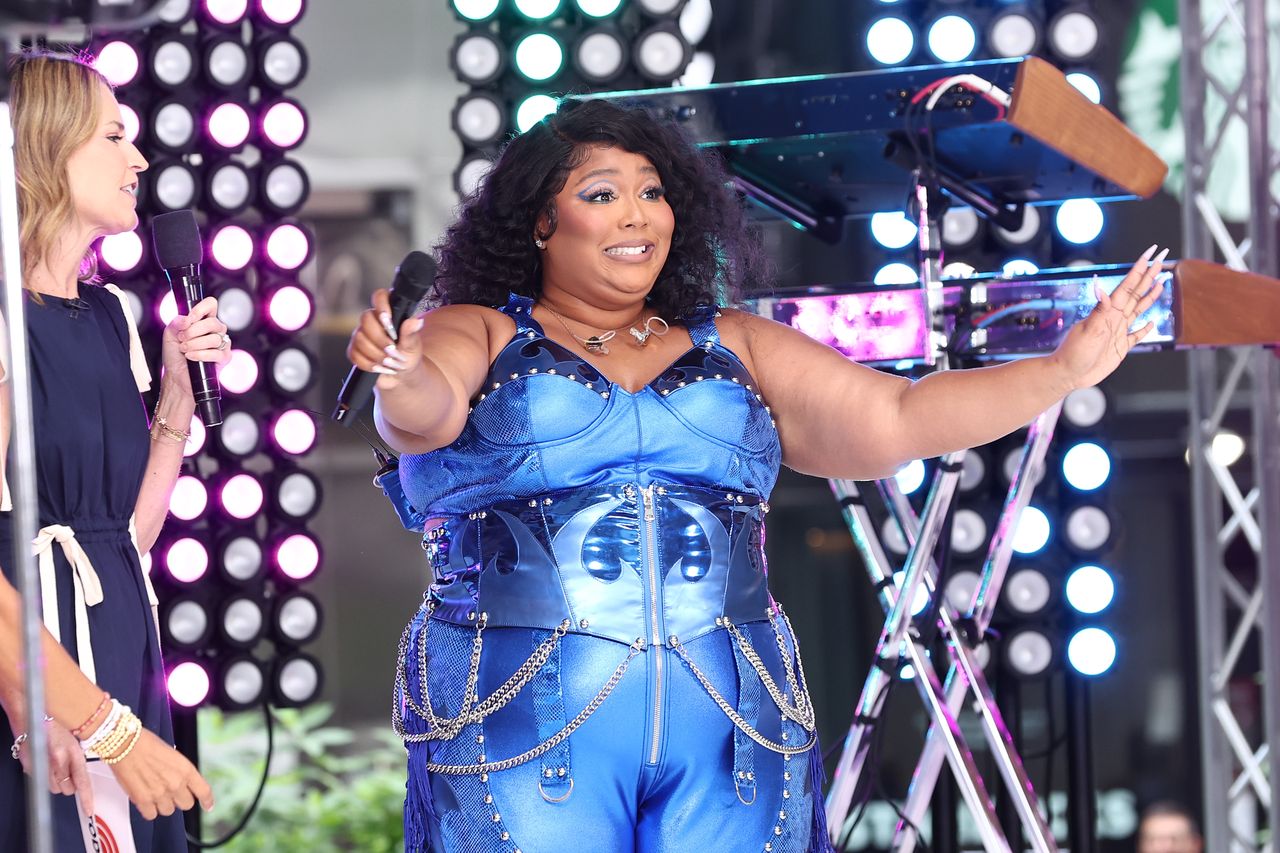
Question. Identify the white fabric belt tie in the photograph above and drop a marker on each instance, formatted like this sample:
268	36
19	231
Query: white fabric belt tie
84	579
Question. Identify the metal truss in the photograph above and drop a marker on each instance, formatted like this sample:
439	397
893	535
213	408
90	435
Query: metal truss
1238	600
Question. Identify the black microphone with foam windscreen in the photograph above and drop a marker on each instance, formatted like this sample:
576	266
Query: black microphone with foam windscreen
176	239
414	278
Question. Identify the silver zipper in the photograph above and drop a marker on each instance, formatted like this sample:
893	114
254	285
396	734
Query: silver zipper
651	553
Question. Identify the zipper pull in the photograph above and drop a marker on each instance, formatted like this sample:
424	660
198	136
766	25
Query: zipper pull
646	492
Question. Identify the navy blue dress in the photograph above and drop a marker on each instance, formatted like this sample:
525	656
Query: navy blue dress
91	447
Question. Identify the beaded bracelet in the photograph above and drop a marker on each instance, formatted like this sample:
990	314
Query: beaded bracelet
121	741
106	727
133	741
78	731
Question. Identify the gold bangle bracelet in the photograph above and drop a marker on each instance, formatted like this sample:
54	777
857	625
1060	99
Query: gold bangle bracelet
160	429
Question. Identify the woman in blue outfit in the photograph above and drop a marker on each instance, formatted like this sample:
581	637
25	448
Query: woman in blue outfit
103	474
589	443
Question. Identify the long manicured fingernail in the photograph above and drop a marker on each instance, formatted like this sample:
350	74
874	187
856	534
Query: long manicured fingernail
395	364
1159	259
390	349
1149	252
385	319
385	371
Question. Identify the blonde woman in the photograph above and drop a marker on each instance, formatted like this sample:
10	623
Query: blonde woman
104	474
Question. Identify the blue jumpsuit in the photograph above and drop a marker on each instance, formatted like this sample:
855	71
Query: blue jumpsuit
598	664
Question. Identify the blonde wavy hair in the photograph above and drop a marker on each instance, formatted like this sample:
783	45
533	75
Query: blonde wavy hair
54	98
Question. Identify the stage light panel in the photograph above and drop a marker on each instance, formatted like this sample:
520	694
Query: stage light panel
1087	528
283	125
241	622
226	63
173	126
132	124
921	601
174	186
236	308
1028	653
973	471
240	435
890	40
539	57
891	537
1086	466
478	119
599	8
1090	589
1085	407
1013	33
240	374
196	434
600	55
297	680
188	684
118	61
1074	34
1032	531
288	247
241	496
242	681
122	252
294	432
534	109
290	370
297	495
474	10
910	477
289	308
166	308
225	12
297	556
896	273
1019	266
1091	651
893	230
228	188
960	227
189	498
478	58
241	558
1080	220
1023	234
186	560
1227	448
1027	591
1087	84
175	12
695	22
537	10
968	531
173	62
471	173
231	247
961	587
281	13
660	8
952	38
661	53
228	125
297	618
186	622
282	63
284	187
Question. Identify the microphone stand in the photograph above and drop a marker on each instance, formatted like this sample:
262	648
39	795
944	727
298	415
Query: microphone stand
22	481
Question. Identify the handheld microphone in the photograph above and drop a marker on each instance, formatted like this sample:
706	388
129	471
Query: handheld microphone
413	278
176	239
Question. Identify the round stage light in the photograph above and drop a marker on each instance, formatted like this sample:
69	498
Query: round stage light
1080	220
1032	531
477	58
236	308
284	125
240	435
166	308
660	8
241	496
298	556
282	63
174	186
973	471
228	188
188	684
173	62
1074	34
1087	529
1087	84
186	560
282	13
1027	591
242	681
1086	466
294	432
471	173
1090	589
241	558
118	62
297	680
1023	234
290	371
968	531
284	187
289	308
695	23
136	308
226	63
910	477
891	537
893	230
478	119
122	252
225	12
600	55
240	374
287	247
534	109
961	588
599	8
297	495
1019	266
175	12
231	247
132	124
700	71
1085	407
189	498
1028	653
297	618
173	126
1227	448
1091	651
952	38
1013	33
474	10
896	273
186	623
661	53
228	125
890	41
921	601
242	622
537	10
960	227
539	57
196	435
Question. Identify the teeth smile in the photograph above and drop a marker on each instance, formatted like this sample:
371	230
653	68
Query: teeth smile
627	250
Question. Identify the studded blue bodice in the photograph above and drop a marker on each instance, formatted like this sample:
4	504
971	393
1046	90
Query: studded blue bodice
547	421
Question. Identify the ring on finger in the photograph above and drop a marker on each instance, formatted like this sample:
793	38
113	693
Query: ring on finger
226	342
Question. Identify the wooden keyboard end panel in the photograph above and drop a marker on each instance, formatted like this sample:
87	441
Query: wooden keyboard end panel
1217	306
1053	111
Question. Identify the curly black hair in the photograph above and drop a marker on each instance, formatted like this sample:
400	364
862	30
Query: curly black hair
489	251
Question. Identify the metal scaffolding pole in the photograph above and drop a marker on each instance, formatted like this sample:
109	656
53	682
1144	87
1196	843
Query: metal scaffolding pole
1237	641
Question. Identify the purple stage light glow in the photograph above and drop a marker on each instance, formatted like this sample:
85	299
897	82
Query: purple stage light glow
240	374
281	12
188	684
167	308
289	308
196	435
132	124
288	246
229	125
887	326
187	560
284	124
241	496
118	62
122	252
232	248
298	556
189	498
294	432
226	11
